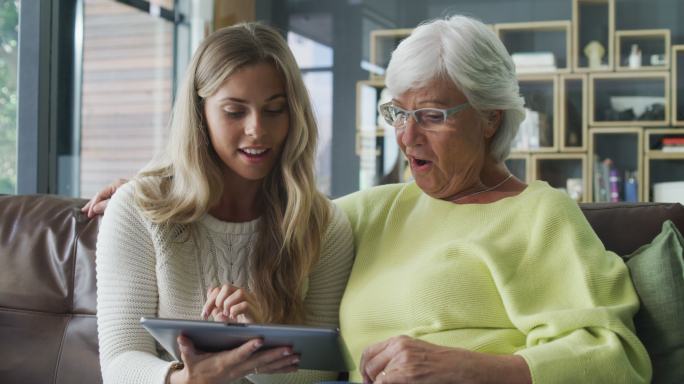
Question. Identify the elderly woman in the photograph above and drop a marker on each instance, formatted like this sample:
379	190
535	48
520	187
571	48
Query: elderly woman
468	274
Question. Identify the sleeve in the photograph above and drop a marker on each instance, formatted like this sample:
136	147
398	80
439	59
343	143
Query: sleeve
327	282
576	307
126	291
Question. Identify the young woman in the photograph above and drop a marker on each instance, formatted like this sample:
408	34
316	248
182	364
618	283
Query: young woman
232	203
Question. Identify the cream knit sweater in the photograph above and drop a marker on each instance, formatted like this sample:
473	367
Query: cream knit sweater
145	269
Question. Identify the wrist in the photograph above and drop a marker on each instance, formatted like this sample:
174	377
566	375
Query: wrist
507	368
175	374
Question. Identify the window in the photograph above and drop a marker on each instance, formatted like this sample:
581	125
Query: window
315	61
126	92
9	23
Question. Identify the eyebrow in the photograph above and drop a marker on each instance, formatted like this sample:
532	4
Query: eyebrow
422	102
238	100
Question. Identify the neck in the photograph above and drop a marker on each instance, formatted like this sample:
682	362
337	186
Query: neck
493	172
240	201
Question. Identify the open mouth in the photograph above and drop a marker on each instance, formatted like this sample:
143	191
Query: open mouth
420	164
254	153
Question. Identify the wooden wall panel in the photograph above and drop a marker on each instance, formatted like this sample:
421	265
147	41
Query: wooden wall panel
126	92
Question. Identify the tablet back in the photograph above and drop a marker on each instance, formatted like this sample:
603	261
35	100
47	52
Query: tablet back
319	348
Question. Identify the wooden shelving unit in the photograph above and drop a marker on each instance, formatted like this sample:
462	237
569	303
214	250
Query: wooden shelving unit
558	168
678	85
623	147
649	41
573	102
609	110
626	85
520	165
593	13
541	96
523	37
382	42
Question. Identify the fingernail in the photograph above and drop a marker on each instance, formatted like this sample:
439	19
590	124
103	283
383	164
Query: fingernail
204	315
295	360
258	344
287	353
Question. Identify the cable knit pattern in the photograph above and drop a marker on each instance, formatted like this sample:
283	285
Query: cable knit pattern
524	275
144	269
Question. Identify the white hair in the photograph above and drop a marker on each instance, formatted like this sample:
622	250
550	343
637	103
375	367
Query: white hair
467	52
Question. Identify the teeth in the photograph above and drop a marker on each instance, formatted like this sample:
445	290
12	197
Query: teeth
251	151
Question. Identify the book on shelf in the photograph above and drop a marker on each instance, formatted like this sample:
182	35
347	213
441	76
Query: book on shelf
673	144
611	184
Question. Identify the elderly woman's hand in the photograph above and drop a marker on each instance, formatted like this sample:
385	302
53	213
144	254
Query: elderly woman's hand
403	359
98	204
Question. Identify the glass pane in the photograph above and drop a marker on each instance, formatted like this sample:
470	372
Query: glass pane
319	82
320	86
168	4
309	53
126	92
9	30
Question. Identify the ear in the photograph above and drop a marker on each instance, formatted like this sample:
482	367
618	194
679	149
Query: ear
493	121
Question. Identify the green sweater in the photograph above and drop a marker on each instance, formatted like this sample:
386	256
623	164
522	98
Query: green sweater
525	275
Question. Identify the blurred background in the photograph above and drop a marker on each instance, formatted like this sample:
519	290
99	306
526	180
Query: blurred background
86	86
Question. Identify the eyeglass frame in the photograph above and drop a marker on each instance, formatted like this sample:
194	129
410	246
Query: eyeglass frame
383	110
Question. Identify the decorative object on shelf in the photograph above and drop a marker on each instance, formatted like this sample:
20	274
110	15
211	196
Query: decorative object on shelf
575	188
594	51
602	179
639	49
637	108
669	192
613	185
631	187
528	134
634	60
658	60
534	62
614	181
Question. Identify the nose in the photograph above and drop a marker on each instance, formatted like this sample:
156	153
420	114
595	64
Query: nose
254	125
411	135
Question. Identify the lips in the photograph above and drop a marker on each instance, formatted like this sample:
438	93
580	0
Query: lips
254	154
418	164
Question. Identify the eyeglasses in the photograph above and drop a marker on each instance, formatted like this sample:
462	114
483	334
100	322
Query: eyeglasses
429	119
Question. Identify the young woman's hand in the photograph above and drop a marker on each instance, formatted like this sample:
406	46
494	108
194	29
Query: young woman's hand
230	303
98	204
226	366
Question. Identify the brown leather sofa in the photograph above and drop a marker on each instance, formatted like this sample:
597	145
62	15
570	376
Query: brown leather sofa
47	280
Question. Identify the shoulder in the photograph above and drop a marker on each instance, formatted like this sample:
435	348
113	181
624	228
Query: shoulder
368	201
338	235
549	201
553	213
122	205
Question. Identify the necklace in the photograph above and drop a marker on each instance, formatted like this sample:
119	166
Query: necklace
486	189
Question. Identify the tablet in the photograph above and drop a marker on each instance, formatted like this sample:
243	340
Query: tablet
319	348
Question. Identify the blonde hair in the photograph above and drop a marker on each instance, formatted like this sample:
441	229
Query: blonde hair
186	181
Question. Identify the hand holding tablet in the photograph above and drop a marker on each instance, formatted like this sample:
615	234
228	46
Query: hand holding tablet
319	348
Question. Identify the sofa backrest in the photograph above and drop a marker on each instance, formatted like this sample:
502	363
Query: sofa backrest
48	328
47	291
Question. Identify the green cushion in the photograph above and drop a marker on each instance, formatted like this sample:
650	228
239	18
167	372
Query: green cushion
657	270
